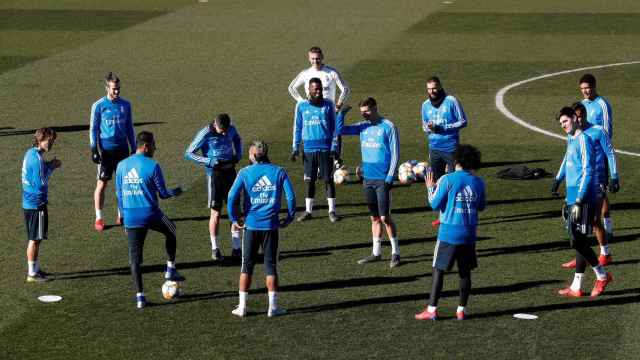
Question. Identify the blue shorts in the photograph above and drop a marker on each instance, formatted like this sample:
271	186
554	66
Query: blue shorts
252	241
446	254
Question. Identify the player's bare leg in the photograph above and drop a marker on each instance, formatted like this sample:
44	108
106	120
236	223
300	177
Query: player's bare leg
601	234
98	200
214	227
376	235
390	227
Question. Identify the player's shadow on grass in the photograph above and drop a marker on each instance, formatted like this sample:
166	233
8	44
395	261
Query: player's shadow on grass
520	217
63	129
489	164
352	282
364	245
125	270
489	290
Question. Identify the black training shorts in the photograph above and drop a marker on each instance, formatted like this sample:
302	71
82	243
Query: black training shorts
37	223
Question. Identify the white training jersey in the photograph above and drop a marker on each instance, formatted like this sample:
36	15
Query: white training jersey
329	76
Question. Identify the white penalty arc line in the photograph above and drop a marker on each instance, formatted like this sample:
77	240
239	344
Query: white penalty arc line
503	109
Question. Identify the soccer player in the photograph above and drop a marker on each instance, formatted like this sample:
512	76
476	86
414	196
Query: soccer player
35	188
220	146
459	196
380	147
314	125
139	182
112	139
605	166
598	113
261	185
578	171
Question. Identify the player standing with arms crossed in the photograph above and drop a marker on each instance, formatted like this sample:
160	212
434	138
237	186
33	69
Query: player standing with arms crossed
35	190
380	147
261	185
112	139
221	148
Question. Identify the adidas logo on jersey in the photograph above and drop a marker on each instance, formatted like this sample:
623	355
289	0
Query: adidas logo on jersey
132	177
264	184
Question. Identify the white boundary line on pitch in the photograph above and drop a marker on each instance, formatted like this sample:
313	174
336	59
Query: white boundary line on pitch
503	109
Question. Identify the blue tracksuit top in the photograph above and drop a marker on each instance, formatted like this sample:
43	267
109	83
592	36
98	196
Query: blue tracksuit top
605	154
599	112
214	147
578	169
459	196
112	125
261	186
315	126
448	118
379	144
35	179
139	182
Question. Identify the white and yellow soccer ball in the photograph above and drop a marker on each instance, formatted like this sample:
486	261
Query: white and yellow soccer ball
419	169
171	289
341	175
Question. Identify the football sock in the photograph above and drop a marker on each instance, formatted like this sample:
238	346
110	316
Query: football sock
308	204
577	282
171	265
377	247
214	242
395	249
140	294
32	267
431	308
601	274
604	249
98	214
273	300
37	265
332	204
235	239
608	225
460	309
243	299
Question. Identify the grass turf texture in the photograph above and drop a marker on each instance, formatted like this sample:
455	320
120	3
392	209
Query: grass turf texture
180	66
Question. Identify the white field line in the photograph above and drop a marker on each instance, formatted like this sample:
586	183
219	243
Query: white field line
503	109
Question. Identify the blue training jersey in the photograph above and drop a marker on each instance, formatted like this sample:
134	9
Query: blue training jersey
605	154
599	113
315	126
448	119
380	147
578	169
111	125
35	179
261	186
459	196
209	148
139	182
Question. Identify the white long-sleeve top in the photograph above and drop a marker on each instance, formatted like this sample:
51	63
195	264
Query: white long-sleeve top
329	76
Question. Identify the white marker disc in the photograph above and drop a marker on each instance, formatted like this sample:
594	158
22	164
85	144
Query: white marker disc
49	298
525	316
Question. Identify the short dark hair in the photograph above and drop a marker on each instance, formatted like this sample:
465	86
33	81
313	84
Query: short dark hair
223	120
315	80
588	78
111	77
316	50
145	138
369	102
467	156
565	111
579	106
44	134
434	79
261	151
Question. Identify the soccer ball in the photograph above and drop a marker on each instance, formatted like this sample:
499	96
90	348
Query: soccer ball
341	175
405	172
420	169
171	289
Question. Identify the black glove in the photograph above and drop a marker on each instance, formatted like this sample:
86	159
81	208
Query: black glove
294	155
95	156
177	191
554	188
576	211
283	223
614	186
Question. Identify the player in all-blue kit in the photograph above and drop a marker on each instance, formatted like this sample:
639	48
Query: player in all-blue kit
220	146
605	167
112	139
380	147
261	185
599	112
35	188
314	125
578	171
458	196
139	182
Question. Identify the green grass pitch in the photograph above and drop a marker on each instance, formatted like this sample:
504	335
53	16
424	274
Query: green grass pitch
181	62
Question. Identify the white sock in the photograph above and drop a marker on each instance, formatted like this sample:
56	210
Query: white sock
377	247
273	300
32	267
37	265
395	249
308	205
432	308
243	299
601	274
214	242
236	239
604	250
171	264
460	309
608	225
98	214
332	204
139	294
577	282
